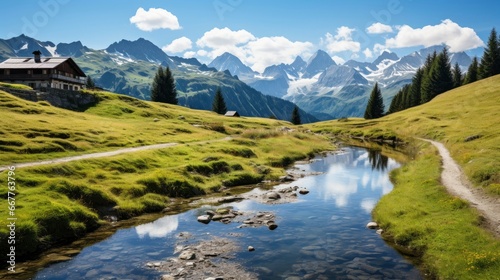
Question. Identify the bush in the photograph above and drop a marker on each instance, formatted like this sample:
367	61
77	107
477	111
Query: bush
86	195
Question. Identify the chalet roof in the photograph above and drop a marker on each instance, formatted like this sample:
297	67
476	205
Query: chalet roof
232	113
46	63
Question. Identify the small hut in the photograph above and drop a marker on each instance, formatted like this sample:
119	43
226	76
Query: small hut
232	114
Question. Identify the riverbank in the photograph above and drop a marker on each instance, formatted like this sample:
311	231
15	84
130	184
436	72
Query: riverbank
444	231
58	203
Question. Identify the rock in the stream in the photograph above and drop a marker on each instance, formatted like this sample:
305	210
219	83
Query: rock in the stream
204	219
372	225
167	277
272	195
271	225
303	191
380	231
251	248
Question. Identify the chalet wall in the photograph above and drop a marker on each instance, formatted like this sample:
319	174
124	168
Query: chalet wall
71	100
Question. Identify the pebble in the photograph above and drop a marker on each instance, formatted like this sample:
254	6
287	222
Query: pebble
251	248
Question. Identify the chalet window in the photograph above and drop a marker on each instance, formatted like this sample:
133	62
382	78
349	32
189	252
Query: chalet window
37	71
1	72
44	71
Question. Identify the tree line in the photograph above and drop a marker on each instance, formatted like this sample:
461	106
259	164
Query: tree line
435	77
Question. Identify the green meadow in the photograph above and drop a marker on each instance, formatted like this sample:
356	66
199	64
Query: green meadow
61	202
446	232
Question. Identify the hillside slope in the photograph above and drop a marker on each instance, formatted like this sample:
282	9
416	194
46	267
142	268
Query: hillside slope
464	119
57	203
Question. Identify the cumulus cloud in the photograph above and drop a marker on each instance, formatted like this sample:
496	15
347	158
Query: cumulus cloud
267	51
379	28
368	53
178	45
155	18
457	38
225	37
341	42
339	60
258	53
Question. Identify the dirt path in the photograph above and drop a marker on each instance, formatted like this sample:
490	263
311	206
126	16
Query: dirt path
102	154
457	184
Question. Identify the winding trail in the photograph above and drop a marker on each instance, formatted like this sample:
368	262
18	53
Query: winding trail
457	184
103	154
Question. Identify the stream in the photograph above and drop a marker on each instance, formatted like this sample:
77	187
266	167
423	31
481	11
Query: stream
320	235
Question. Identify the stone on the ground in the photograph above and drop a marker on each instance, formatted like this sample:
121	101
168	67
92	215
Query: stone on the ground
187	255
303	191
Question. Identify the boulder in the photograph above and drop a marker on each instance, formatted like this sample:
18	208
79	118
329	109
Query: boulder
372	225
204	219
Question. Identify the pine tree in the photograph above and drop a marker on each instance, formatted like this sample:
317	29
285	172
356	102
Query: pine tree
163	87
296	116
89	84
396	103
219	105
439	79
375	106
415	88
457	76
490	62
171	91
472	72
158	93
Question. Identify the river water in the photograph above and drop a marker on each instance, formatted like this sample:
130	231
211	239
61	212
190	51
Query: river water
321	235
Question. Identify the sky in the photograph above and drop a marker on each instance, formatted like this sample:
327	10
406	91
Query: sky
259	32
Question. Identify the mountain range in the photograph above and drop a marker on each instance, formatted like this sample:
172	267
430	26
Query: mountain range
322	88
328	90
128	67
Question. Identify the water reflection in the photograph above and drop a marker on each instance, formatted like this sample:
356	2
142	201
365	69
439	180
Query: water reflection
159	228
320	236
378	160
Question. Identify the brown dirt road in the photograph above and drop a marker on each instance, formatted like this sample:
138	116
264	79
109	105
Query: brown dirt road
457	184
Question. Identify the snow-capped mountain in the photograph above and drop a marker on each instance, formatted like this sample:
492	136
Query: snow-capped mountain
128	67
227	61
140	49
328	90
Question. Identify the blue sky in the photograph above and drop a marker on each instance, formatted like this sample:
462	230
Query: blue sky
259	32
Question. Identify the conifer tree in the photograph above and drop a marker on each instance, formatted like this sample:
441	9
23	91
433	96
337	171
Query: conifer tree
296	116
171	91
395	103
219	105
89	84
415	88
490	62
457	76
439	79
158	87
375	106
472	72
163	87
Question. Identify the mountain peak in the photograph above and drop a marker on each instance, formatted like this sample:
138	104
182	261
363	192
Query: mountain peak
228	61
140	49
319	62
386	55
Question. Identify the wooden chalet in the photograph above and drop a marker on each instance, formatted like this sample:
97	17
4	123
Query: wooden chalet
43	73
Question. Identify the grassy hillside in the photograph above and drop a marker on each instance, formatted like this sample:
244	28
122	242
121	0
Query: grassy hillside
465	120
445	231
61	202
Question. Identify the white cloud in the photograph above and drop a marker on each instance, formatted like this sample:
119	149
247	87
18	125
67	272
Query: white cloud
219	38
178	45
368	53
341	42
267	51
258	53
189	54
339	60
447	32
155	18
379	28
